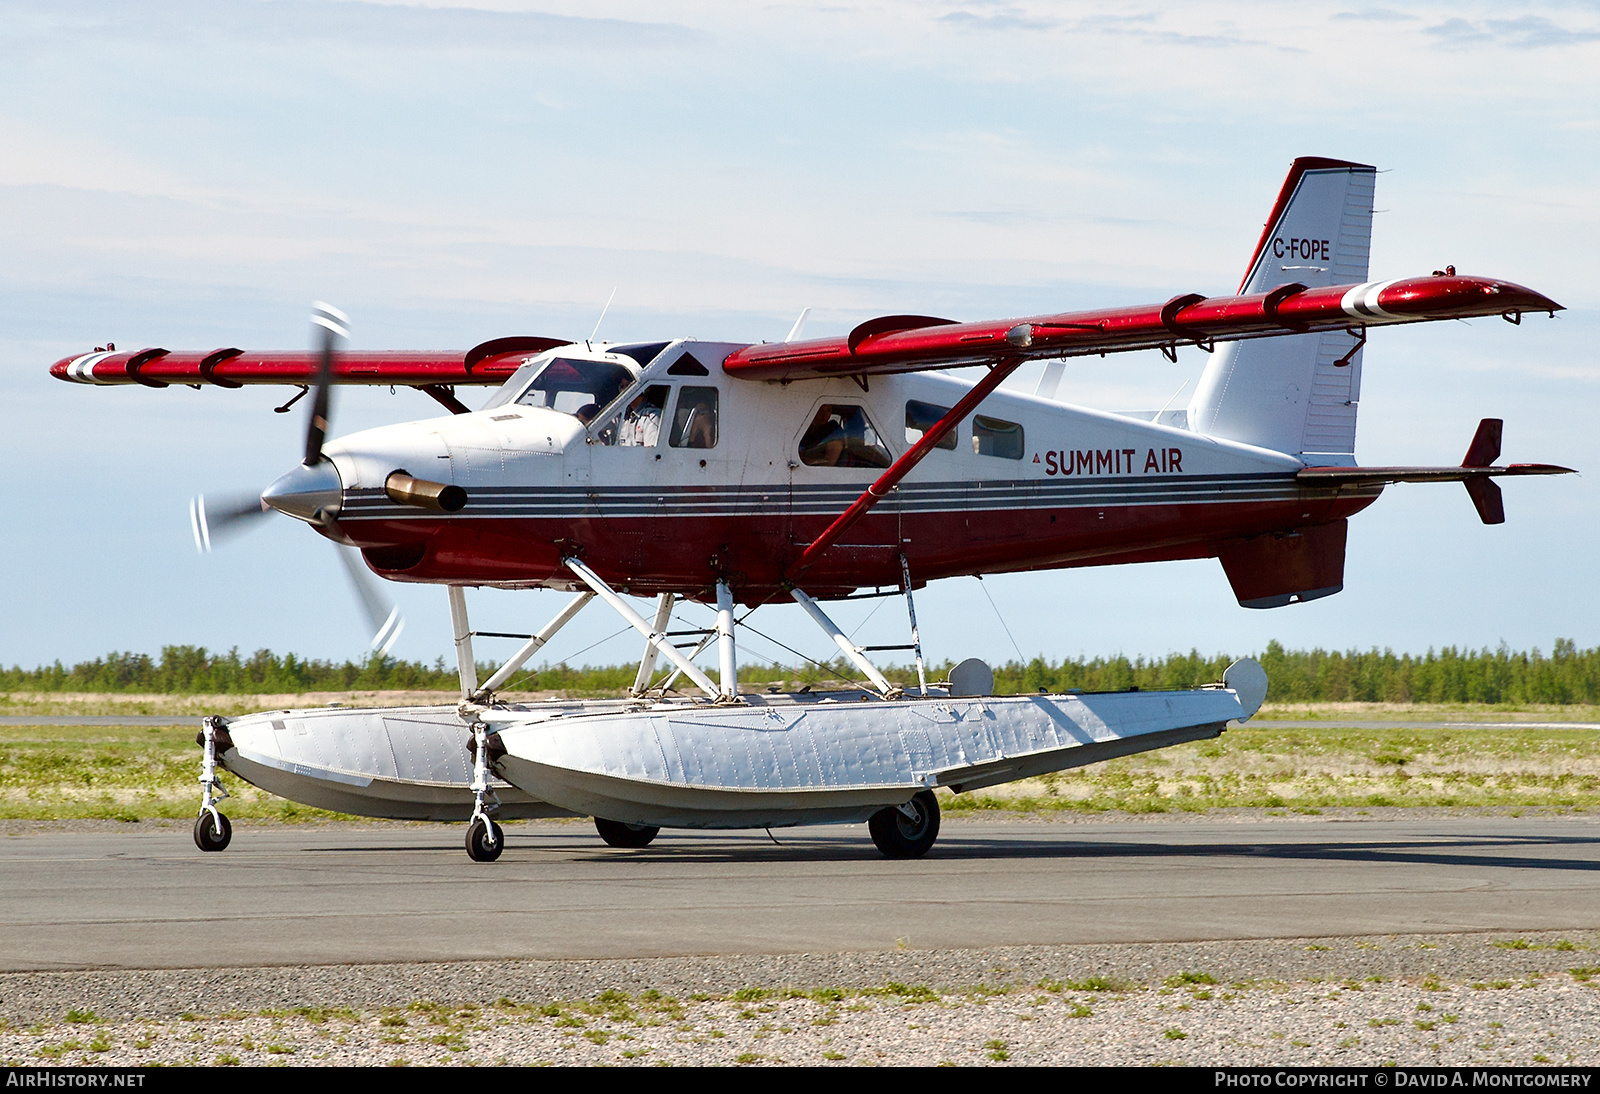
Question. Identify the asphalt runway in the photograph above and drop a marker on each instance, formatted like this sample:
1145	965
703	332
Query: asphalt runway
145	898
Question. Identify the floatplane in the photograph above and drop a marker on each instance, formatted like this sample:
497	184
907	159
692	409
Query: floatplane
735	475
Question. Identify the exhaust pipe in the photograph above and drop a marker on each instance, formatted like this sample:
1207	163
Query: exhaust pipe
441	497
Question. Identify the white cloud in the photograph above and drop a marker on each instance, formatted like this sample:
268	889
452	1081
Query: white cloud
353	24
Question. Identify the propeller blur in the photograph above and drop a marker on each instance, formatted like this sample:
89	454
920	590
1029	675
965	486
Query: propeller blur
308	492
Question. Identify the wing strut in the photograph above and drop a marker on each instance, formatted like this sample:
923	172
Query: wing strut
902	467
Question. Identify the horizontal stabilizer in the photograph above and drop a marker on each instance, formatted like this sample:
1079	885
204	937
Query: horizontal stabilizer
1382	476
1476	472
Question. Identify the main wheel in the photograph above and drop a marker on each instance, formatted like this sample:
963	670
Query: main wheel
900	836
618	834
485	840
208	835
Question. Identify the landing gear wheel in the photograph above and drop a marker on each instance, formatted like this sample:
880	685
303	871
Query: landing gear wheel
212	835
900	836
485	840
618	834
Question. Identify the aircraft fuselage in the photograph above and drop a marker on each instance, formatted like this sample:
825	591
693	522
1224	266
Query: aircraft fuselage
1025	483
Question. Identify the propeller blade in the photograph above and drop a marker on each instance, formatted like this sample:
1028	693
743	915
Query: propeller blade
212	520
334	325
219	518
384	617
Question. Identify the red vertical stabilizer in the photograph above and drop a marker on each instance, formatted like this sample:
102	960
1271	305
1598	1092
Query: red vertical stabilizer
1482	452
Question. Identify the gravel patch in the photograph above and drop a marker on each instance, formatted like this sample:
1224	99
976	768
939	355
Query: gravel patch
1411	1000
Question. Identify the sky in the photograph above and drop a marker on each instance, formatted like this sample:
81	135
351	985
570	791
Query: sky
194	174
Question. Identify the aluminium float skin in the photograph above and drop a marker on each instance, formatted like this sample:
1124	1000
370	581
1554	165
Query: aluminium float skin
769	761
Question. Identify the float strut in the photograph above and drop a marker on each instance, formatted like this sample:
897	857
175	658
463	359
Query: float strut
647	663
531	647
727	657
656	638
916	639
463	634
847	647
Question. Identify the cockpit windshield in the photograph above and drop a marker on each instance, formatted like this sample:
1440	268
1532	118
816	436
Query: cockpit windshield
571	386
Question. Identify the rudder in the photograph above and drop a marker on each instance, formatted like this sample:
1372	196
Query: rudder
1297	394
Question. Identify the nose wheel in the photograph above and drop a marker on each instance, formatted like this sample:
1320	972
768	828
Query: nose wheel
485	840
212	830
906	831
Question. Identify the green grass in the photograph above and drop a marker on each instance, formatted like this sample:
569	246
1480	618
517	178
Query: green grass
125	773
1317	766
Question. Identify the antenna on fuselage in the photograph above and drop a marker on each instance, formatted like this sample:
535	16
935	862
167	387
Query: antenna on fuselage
602	319
1169	402
1050	379
794	331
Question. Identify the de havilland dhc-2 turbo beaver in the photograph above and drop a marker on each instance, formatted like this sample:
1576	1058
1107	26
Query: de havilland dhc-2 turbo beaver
729	473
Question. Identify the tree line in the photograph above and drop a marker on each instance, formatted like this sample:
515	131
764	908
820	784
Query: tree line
1450	675
1566	675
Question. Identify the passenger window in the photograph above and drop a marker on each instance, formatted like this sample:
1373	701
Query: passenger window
694	423
993	437
921	417
841	436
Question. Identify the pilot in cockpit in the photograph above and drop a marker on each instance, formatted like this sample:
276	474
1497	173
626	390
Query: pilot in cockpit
641	422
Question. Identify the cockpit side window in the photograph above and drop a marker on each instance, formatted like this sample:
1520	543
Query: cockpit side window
694	422
841	435
576	387
639	423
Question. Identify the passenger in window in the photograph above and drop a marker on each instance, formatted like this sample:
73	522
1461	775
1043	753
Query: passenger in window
701	432
823	443
841	436
694	424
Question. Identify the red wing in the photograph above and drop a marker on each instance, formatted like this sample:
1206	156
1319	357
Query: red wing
889	345
490	363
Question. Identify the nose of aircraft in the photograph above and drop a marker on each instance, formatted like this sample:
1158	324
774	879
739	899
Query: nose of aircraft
309	493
